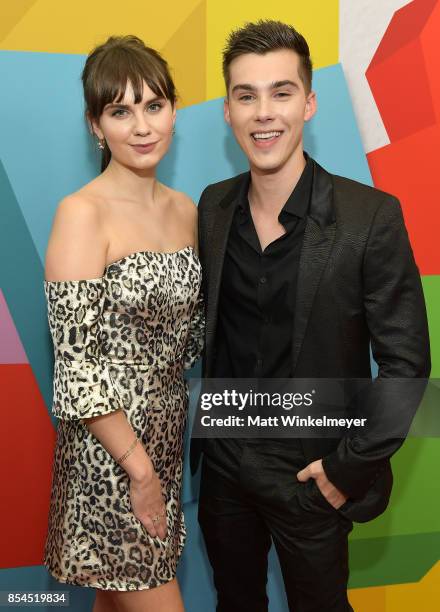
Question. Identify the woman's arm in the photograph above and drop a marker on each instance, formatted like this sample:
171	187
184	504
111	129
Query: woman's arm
116	435
77	252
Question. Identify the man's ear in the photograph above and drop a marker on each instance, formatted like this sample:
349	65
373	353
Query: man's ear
226	111
311	106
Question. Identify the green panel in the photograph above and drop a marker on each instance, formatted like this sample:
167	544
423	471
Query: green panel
431	287
415	501
399	559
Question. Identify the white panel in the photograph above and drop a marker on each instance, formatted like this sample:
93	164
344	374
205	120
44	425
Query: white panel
362	26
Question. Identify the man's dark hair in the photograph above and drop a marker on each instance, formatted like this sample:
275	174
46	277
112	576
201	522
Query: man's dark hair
262	37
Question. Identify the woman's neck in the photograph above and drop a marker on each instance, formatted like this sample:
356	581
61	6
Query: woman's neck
130	183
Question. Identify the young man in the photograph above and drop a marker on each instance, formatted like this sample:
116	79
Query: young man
302	270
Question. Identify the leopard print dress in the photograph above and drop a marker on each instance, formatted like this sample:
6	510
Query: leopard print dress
121	341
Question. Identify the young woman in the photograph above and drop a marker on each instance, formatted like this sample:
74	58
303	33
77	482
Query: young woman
125	312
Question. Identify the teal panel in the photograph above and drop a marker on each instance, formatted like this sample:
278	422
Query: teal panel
21	280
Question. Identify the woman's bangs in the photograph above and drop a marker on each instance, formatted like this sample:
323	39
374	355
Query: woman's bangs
114	83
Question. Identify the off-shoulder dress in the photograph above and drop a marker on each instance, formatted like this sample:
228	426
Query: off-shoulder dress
121	341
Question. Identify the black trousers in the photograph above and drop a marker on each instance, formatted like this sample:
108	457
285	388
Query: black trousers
249	498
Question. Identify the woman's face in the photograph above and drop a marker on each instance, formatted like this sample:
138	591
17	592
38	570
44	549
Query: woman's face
138	135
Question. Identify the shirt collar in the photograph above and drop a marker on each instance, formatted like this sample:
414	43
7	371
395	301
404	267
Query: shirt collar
297	203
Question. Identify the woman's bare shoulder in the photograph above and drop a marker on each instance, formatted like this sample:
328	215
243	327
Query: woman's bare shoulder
186	213
77	245
183	202
78	207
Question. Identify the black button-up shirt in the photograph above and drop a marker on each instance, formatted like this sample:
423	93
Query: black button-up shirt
258	290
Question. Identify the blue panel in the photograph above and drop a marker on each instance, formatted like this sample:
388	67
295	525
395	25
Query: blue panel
45	145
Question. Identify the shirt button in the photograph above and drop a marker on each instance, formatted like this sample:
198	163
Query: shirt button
259	363
263	279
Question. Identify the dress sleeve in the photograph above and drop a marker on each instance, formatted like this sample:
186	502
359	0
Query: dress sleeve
82	385
196	333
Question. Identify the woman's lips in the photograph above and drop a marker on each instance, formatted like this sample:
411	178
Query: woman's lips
143	149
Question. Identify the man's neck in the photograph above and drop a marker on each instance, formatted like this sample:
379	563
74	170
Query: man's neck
269	191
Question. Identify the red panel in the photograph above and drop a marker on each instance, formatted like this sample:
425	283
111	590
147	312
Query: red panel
406	24
410	170
401	89
26	452
404	76
431	50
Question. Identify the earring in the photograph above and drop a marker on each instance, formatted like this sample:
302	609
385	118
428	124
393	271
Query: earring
174	130
101	143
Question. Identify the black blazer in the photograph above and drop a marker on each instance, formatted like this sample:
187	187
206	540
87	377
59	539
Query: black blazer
357	283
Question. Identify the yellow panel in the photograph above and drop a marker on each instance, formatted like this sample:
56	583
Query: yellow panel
317	20
186	54
423	595
77	26
11	13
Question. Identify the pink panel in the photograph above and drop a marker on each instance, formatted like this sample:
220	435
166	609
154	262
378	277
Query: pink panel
11	348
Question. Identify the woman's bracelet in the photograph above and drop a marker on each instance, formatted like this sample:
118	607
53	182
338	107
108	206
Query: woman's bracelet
128	452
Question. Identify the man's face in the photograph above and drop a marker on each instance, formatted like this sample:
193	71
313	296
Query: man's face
267	106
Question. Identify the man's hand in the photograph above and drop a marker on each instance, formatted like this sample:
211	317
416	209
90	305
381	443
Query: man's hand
329	491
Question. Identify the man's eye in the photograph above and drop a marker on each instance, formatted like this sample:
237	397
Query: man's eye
246	98
282	94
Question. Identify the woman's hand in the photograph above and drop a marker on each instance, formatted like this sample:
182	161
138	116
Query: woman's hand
148	505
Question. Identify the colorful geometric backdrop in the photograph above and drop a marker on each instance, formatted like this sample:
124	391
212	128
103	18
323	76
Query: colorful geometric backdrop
377	77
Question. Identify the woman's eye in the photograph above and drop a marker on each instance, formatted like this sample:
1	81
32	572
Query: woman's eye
116	112
155	107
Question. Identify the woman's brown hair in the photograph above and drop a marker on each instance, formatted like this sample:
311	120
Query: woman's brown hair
111	65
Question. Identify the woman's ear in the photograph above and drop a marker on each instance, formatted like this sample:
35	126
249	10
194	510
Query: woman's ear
93	125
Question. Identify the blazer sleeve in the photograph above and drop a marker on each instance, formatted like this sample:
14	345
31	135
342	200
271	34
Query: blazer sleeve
397	322
83	386
203	231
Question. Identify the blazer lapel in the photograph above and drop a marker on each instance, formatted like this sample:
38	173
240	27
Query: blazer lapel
317	244
217	250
